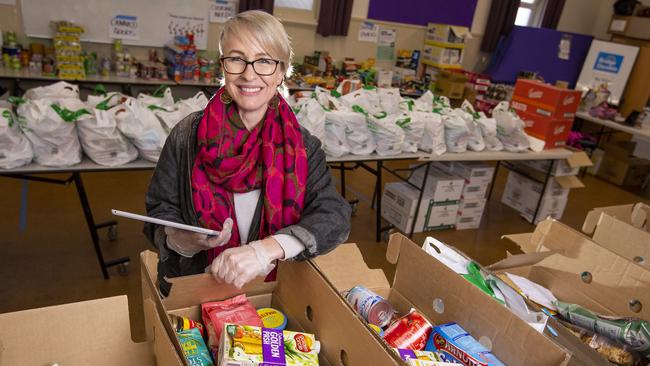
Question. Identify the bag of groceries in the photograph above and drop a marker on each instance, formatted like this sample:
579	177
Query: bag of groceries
141	126
15	149
102	141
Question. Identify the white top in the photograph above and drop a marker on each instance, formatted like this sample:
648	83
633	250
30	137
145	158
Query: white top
245	204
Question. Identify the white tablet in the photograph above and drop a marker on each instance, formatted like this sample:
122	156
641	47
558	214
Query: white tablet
176	225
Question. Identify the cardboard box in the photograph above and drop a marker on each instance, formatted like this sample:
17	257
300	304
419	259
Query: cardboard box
472	207
475	191
523	194
554	132
94	332
560	168
578	270
301	292
596	159
620	149
468	222
474	172
624	172
626	223
450	84
443	296
442	57
447	34
545	100
642	147
441	186
399	202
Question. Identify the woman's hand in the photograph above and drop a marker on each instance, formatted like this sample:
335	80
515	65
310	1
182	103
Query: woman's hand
188	243
238	266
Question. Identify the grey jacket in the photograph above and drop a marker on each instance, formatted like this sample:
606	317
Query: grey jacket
324	224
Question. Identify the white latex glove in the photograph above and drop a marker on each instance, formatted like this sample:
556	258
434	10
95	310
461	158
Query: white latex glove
188	243
238	266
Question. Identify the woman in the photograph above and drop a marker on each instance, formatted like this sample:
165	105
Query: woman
244	167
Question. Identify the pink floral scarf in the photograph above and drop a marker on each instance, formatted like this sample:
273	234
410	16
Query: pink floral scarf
231	159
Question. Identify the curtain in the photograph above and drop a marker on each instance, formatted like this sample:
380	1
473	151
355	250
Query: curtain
334	17
500	23
266	5
552	13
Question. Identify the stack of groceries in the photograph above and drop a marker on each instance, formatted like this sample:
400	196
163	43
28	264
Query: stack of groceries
416	339
234	333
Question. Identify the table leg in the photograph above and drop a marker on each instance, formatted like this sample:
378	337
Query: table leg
547	177
377	198
342	168
494	178
92	227
417	206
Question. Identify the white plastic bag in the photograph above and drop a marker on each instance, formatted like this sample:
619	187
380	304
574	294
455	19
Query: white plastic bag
358	135
433	138
488	128
60	90
15	149
413	131
105	101
102	141
335	143
141	126
194	104
312	117
54	140
165	100
389	100
456	133
475	142
367	99
510	128
389	137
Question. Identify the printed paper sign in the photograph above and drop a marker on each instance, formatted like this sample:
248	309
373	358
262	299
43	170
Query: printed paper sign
221	10
368	32
179	25
124	27
386	37
608	62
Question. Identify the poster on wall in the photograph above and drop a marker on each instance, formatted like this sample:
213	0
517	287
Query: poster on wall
368	32
180	25
221	10
124	27
386	44
608	64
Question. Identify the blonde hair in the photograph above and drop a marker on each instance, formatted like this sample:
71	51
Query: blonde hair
263	30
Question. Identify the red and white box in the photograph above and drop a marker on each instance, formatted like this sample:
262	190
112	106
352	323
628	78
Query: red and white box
545	100
554	132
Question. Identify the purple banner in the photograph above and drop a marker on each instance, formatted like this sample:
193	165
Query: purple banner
421	12
273	347
407	354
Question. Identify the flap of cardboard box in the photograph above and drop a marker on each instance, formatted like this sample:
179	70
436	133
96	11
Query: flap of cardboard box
197	289
581	265
461	32
579	159
634	214
346	268
623	239
80	333
569	181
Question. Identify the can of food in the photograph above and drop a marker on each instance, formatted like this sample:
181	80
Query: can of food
181	323
409	332
372	307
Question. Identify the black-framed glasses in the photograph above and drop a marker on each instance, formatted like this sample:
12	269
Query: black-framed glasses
262	66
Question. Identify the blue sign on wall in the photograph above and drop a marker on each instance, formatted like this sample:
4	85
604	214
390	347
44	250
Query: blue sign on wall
608	62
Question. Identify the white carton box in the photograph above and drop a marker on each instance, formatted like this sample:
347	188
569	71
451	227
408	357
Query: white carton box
441	186
399	201
642	147
474	172
475	190
560	167
468	222
522	194
441	216
472	207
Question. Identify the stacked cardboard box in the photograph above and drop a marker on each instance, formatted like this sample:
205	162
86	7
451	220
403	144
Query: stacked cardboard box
620	167
547	111
444	45
439	205
477	177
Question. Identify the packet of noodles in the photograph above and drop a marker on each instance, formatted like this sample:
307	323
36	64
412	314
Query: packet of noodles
631	332
236	310
194	347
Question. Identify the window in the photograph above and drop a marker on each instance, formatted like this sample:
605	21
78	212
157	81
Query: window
530	13
295	4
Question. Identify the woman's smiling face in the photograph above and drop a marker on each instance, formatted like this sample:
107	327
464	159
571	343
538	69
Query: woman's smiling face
250	91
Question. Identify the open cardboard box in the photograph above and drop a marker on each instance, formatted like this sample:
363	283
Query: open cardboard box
95	332
310	303
578	270
627	224
443	296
